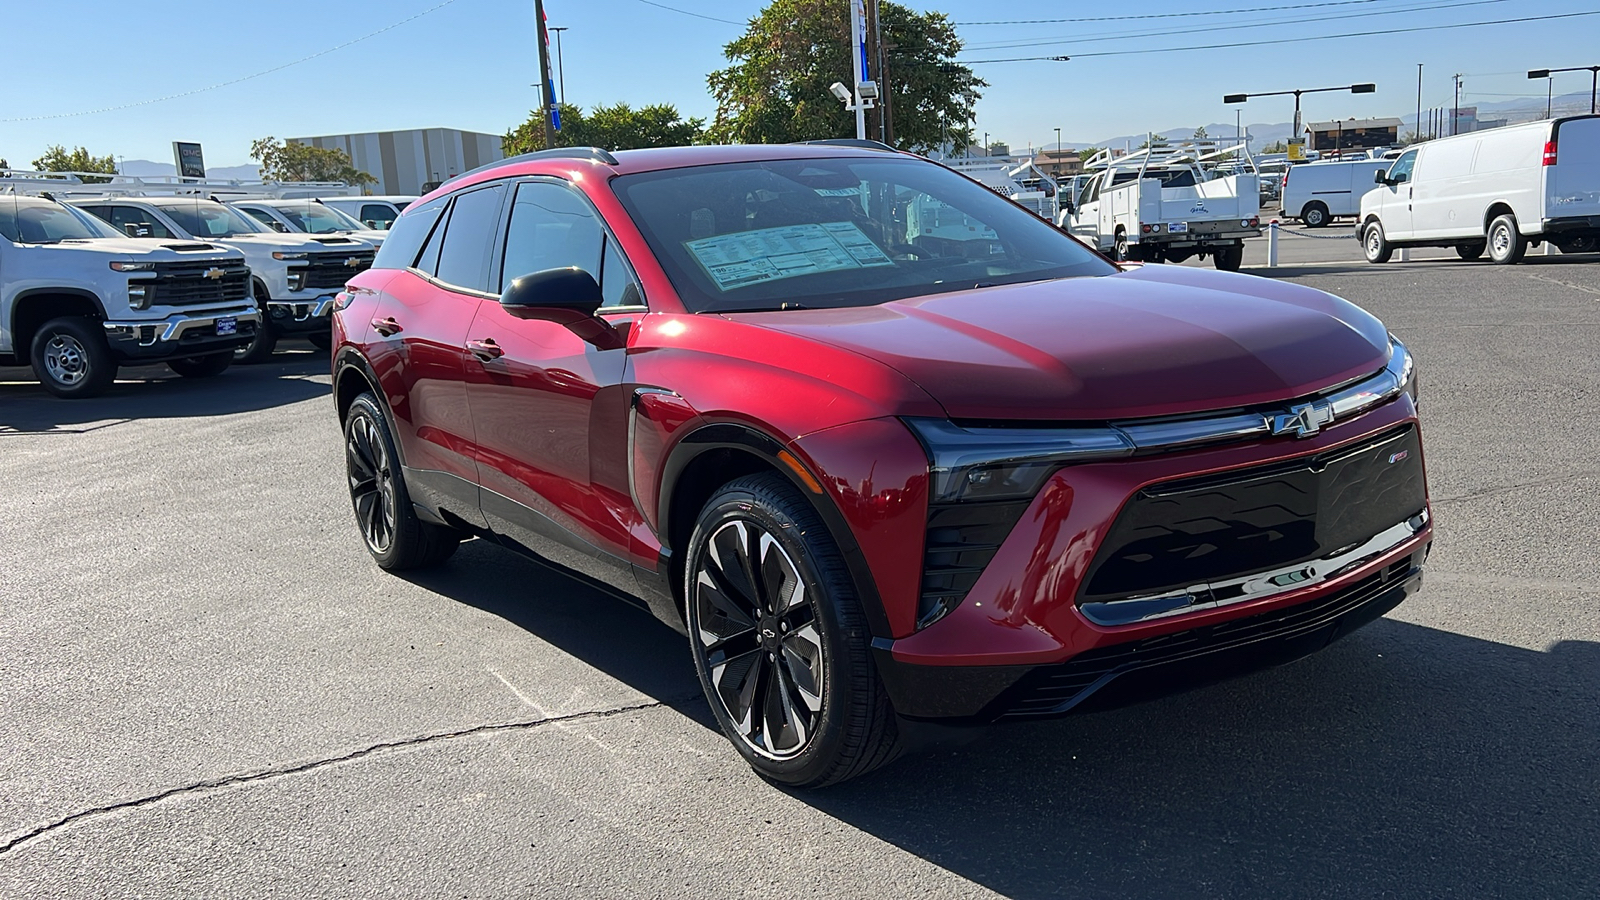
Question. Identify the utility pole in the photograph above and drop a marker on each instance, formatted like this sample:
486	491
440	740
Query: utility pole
1455	112
877	62
561	64
547	91
1417	125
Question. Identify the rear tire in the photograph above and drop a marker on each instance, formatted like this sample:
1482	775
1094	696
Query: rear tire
1374	245
1506	244
1583	243
1228	259
72	359
201	366
395	537
1119	249
1470	251
1315	214
780	643
321	340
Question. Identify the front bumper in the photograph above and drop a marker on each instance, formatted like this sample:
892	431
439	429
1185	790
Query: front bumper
180	334
1029	617
301	316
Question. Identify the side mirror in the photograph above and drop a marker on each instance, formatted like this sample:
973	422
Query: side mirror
1068	207
570	289
568	297
1380	177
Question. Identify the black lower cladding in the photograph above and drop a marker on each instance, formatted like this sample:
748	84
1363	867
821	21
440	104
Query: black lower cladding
1143	669
1177	534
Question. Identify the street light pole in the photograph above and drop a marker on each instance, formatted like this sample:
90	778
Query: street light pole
1594	82
1455	111
561	64
1416	127
1366	88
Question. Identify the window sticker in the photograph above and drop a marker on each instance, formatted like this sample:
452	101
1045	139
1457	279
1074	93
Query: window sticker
789	251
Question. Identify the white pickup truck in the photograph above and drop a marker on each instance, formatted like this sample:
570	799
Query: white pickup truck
77	300
1165	205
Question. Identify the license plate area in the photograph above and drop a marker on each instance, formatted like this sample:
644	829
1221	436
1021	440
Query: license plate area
227	325
1178	228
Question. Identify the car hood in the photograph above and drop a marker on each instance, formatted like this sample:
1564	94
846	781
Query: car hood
1150	341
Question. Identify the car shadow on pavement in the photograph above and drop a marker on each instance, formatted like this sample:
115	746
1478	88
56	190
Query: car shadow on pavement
577	616
155	392
1403	761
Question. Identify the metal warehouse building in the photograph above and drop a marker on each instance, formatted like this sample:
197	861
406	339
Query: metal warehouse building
403	161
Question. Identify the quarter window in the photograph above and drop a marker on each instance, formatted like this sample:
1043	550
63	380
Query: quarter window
405	239
468	238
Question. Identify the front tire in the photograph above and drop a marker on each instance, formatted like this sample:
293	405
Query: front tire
1315	215
71	358
1506	244
394	535
201	366
1374	245
265	340
779	639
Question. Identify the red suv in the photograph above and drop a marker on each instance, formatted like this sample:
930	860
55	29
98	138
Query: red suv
886	446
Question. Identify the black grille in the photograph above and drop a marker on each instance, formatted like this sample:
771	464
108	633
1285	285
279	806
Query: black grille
1182	533
962	538
1199	656
188	283
332	270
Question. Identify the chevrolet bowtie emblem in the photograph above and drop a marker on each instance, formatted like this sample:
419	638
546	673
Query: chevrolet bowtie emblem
1305	419
213	273
353	261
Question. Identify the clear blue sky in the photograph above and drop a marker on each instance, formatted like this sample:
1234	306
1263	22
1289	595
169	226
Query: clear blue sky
469	65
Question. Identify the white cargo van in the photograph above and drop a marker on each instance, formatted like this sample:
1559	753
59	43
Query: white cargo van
1501	190
1319	192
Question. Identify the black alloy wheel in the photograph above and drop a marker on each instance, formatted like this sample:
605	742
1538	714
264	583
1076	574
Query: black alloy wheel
394	535
779	640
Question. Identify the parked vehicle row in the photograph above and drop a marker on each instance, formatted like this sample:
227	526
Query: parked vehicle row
887	447
185	279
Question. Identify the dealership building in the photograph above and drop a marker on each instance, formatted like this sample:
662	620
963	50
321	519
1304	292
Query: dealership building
404	161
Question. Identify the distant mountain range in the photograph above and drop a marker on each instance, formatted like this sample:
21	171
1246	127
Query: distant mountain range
144	168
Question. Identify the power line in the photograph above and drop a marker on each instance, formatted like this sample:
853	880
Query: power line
223	84
1176	15
688	13
1232	26
1264	43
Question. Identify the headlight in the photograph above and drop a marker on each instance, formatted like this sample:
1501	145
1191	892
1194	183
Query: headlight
279	254
133	266
976	464
1408	370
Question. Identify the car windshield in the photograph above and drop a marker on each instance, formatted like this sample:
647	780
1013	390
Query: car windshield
209	219
29	220
318	219
1167	177
813	233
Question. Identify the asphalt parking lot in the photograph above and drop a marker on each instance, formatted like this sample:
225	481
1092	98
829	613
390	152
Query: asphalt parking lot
209	690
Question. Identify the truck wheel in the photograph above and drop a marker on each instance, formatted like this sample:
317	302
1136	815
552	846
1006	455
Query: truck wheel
1376	247
390	527
1119	250
71	358
322	340
1315	215
1506	244
1470	251
1228	259
265	340
201	366
1583	243
779	638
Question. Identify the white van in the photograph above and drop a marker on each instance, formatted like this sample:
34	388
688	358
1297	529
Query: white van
377	213
1501	189
1318	193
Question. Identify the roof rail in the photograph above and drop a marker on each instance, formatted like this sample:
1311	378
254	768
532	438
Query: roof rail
591	153
857	143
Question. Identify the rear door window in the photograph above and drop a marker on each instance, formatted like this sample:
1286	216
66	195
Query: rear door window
404	241
469	237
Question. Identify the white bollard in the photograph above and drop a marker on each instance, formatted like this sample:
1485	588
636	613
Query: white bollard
1272	245
1405	254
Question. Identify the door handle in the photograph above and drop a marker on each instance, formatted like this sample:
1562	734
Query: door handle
387	326
485	349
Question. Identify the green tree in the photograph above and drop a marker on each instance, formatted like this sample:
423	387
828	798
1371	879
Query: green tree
775	89
292	161
1276	147
615	127
1088	153
1200	134
58	159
